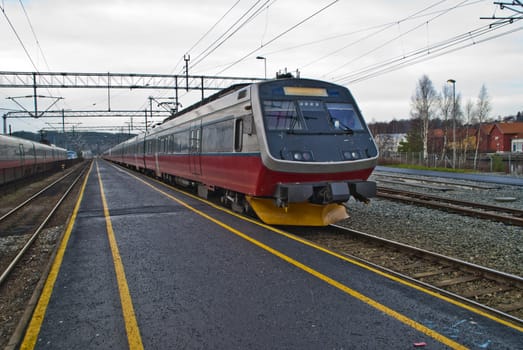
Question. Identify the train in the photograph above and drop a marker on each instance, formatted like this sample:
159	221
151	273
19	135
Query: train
21	158
293	150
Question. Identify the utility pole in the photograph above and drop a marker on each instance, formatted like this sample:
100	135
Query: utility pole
186	58
108	91
151	109
145	121
453	82
176	94
35	97
264	64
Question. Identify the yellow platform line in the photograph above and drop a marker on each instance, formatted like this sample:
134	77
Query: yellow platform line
371	302
31	335
131	325
348	259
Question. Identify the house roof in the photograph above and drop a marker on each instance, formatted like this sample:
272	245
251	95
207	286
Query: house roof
510	128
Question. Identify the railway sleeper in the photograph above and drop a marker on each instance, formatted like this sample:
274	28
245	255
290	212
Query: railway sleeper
458	280
486	291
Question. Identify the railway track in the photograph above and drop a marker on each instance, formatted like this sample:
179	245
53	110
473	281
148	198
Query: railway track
506	215
28	238
29	218
495	292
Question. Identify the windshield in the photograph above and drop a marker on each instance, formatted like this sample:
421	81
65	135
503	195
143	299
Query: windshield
343	116
310	116
281	115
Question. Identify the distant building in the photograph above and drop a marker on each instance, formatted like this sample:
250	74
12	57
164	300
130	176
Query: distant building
388	143
498	137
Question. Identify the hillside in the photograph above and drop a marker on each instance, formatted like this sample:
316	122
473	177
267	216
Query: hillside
96	142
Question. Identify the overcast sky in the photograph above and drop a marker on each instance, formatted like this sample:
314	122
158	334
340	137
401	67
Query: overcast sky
346	36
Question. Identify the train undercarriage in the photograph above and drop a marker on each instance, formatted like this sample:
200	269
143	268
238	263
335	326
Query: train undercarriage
318	204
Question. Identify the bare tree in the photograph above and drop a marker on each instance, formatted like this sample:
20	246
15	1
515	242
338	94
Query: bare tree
483	109
470	113
423	103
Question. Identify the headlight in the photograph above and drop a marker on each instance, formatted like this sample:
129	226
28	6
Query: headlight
351	155
307	156
302	156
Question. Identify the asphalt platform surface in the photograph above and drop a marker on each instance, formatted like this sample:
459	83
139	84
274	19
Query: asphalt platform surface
198	277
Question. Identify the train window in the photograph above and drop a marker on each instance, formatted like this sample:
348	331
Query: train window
281	115
238	134
343	116
218	137
242	94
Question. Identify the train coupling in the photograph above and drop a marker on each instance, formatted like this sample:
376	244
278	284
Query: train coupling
324	193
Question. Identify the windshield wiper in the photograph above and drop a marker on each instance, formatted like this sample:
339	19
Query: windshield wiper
338	124
308	132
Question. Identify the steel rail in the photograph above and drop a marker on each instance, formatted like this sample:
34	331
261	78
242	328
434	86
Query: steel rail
492	212
23	204
35	234
496	276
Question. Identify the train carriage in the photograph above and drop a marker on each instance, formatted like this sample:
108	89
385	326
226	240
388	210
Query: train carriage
292	150
21	158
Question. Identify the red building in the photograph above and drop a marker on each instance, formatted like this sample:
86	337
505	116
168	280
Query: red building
498	137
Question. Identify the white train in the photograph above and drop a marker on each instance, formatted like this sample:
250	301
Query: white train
21	158
292	150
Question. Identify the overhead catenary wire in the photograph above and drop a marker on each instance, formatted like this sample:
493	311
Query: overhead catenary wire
399	36
19	38
207	33
357	31
216	43
233	29
34	35
278	36
447	46
62	102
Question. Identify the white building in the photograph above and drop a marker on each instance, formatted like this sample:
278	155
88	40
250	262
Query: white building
388	143
517	145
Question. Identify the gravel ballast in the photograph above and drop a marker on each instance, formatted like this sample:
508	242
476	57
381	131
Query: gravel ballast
483	242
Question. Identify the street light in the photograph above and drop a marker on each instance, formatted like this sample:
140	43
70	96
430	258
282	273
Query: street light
264	64
453	82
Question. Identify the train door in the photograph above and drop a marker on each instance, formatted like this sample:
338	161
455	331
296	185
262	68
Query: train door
21	153
158	151
195	149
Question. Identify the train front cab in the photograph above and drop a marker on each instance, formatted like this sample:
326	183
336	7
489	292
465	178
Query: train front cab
317	150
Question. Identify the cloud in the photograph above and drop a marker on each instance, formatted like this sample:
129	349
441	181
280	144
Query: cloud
152	37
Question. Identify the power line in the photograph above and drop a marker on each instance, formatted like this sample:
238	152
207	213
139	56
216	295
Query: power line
230	32
214	26
450	45
279	36
18	37
207	33
351	33
34	34
381	45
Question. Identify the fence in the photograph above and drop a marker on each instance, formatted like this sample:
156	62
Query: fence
509	163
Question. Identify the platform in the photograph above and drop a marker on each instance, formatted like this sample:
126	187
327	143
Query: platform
145	266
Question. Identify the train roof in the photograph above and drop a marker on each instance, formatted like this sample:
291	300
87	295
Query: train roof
206	100
6	139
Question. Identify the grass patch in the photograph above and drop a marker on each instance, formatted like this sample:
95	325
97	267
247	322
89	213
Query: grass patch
421	167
